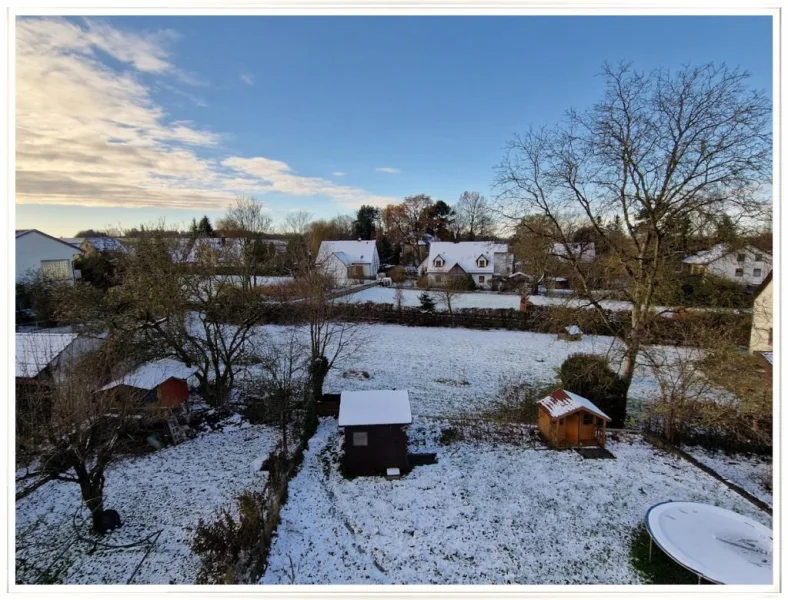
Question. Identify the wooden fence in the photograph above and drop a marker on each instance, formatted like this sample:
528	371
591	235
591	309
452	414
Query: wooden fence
539	319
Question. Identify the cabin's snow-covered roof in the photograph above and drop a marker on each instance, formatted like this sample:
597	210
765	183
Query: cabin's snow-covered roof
343	258
34	351
769	356
152	374
465	254
354	251
374	407
561	403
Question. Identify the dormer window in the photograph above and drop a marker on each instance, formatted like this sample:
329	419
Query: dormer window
438	262
481	262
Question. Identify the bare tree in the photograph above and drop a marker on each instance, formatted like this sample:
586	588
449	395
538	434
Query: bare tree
188	312
475	217
406	222
297	222
659	149
247	222
331	340
81	431
284	376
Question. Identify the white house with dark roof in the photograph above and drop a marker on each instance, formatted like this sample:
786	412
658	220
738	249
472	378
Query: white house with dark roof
38	251
483	261
347	260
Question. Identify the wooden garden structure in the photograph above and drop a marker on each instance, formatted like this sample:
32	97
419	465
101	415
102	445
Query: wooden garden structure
375	424
568	420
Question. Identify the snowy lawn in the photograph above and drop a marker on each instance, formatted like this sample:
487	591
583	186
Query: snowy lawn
453	372
751	472
169	490
386	295
482	514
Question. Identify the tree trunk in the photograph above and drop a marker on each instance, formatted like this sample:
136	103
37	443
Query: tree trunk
92	487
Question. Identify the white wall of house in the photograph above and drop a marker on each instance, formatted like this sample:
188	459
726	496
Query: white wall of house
762	324
36	251
336	269
748	267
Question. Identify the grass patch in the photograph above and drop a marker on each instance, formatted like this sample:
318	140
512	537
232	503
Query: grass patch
661	569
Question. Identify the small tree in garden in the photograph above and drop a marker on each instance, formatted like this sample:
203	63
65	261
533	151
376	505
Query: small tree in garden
399	297
80	439
284	375
427	302
590	376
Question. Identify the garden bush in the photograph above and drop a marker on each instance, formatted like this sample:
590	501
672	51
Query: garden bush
590	376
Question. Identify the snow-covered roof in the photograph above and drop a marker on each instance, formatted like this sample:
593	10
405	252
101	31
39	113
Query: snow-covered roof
465	254
374	407
501	248
354	251
769	356
716	252
574	330
150	375
561	403
343	258
105	244
34	351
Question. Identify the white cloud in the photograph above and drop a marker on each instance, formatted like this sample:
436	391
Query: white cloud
339	174
247	79
387	170
277	176
89	134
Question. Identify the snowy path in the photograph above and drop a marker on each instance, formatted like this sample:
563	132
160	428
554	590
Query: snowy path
482	514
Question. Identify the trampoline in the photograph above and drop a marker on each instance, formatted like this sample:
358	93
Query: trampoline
716	544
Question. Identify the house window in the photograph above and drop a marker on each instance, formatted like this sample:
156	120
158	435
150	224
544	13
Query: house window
438	262
481	278
360	438
740	257
758	257
756	272
439	278
739	272
56	270
588	419
482	262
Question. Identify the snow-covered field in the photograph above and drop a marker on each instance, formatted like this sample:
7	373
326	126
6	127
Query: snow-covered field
169	490
457	372
482	514
753	473
386	295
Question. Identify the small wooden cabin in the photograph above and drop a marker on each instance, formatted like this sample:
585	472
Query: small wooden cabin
160	384
567	420
375	424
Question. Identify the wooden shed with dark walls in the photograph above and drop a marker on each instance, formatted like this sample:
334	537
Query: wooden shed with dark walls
375	424
567	420
160	384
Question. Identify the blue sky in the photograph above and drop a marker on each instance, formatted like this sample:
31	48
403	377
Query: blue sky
171	117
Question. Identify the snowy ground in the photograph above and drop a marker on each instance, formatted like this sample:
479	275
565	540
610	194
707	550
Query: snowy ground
170	490
753	473
482	514
385	295
457	372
